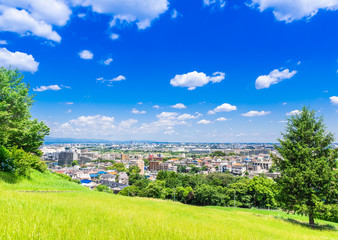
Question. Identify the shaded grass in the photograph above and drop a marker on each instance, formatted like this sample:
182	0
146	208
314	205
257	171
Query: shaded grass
93	215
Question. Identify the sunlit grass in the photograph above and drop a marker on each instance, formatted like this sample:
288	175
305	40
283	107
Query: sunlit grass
93	215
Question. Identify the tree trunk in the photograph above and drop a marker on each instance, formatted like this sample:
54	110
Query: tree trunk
311	219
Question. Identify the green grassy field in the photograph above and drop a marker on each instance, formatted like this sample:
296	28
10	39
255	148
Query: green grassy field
84	214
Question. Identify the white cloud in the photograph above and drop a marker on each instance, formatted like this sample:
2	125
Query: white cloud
166	121
3	42
114	36
81	15
34	17
220	3
110	81
294	112
186	116
86	54
179	106
69	103
141	12
19	60
203	121
175	14
170	132
255	113
225	107
334	100
45	88
135	111
274	77
140	103
156	106
69	111
97	126
127	124
108	61
284	103
290	10
222	119
196	79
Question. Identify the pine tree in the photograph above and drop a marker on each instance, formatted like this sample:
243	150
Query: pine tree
307	164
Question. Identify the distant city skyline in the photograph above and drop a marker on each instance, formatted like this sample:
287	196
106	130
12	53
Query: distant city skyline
174	71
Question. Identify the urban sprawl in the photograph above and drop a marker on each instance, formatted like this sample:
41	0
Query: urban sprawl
93	164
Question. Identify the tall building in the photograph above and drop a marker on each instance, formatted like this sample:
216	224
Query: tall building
154	165
139	164
67	157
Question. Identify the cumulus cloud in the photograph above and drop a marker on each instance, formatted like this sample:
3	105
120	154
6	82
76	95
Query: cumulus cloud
203	121
135	111
225	107
69	103
186	116
222	119
127	124
3	42
195	79
35	17
334	100
274	77
141	12
156	106
45	88
179	106
108	61
19	60
290	10
255	113
294	112
86	54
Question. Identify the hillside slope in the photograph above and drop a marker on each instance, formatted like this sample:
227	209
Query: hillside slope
84	214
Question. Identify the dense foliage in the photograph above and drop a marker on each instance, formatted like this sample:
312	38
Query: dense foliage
308	182
17	129
218	189
20	136
19	162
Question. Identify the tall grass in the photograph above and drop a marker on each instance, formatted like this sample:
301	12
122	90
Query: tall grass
94	215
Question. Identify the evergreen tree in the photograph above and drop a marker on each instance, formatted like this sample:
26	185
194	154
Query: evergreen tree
307	164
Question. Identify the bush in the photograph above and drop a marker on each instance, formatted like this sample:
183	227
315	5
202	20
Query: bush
103	188
7	163
19	162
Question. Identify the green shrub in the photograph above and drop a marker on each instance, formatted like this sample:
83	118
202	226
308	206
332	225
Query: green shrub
7	163
103	188
19	162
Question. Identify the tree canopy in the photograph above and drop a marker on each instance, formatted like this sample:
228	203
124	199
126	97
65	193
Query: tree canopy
16	126
307	164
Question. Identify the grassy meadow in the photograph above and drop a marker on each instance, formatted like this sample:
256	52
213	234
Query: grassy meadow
85	214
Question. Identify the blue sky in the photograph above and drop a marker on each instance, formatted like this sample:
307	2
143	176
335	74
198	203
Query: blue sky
193	70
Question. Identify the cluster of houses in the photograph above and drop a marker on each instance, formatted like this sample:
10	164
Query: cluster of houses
91	177
94	169
238	165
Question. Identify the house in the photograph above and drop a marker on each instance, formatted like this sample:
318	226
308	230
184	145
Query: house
108	177
238	169
123	178
115	186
